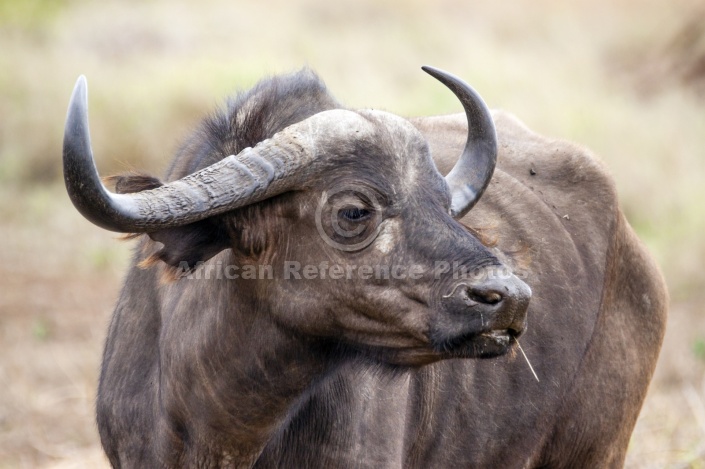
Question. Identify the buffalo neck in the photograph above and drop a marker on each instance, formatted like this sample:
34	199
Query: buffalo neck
230	375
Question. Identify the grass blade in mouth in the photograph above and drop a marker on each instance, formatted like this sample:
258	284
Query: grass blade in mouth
527	361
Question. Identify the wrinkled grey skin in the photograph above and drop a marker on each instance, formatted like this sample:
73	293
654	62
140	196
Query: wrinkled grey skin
368	373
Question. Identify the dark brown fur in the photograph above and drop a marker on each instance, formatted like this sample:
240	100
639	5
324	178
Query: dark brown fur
268	373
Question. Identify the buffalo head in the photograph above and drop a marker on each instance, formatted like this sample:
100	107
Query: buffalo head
356	226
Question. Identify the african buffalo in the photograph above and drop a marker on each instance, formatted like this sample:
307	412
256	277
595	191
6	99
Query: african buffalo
309	291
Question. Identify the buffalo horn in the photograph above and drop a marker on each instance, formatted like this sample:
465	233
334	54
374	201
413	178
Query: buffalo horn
472	173
270	168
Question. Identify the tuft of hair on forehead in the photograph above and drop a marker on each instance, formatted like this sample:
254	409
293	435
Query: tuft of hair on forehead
252	116
247	119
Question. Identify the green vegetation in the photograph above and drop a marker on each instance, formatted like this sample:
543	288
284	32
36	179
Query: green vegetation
29	15
699	348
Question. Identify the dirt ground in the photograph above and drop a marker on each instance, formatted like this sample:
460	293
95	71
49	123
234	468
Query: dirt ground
623	78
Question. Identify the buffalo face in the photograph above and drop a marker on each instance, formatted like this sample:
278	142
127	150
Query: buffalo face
369	255
356	225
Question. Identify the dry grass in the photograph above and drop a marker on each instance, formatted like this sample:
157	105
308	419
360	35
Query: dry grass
586	71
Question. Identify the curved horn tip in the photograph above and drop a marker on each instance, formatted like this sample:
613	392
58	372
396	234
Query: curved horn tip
441	75
83	183
78	104
430	70
81	80
80	89
458	86
471	174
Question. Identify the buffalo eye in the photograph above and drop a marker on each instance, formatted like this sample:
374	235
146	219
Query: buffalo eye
355	214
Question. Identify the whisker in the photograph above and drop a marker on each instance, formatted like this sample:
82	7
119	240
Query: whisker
527	360
455	288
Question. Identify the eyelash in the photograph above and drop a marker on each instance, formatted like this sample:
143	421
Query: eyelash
355	214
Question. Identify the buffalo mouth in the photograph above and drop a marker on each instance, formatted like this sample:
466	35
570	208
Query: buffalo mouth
488	344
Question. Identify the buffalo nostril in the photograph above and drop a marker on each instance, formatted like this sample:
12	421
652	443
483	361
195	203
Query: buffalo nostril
485	295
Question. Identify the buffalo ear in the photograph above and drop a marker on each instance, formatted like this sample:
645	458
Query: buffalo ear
135	182
184	246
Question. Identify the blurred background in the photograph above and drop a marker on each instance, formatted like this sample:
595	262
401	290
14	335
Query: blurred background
624	78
